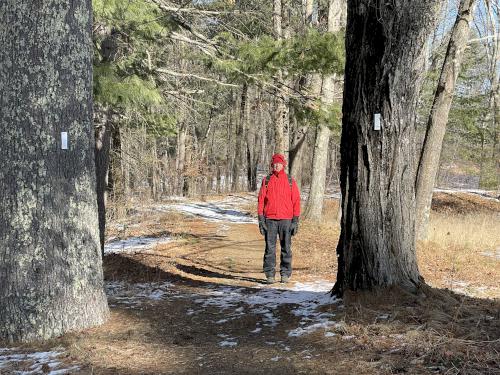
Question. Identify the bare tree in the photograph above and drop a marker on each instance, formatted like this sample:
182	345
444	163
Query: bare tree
438	118
326	84
282	100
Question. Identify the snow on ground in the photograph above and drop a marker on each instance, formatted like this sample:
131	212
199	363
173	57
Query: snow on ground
134	295
487	194
302	300
220	212
464	287
492	254
15	361
134	244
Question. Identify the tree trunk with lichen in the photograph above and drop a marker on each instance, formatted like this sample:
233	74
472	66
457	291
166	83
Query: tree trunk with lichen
50	274
384	66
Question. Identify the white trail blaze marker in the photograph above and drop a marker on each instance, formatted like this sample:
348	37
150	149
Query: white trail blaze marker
64	140
376	121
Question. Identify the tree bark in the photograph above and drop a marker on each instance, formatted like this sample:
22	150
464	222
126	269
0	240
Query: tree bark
438	118
384	48
239	152
51	270
314	207
252	144
180	162
102	147
281	124
298	144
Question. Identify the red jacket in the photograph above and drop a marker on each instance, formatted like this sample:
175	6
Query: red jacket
279	201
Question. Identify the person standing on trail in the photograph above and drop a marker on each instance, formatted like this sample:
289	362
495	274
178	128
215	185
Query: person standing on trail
279	211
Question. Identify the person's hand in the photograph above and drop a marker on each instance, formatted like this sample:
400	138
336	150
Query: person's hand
262	225
294	227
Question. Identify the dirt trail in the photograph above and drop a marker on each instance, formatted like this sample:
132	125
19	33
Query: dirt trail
196	304
232	258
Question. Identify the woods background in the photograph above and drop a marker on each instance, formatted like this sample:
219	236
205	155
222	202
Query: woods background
195	100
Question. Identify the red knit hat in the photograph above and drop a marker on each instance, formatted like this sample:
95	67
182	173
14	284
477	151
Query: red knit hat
278	158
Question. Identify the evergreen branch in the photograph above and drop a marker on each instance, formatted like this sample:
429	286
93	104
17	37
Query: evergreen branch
191	75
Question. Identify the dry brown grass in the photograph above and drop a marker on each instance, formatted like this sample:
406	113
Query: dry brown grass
461	229
314	246
455	247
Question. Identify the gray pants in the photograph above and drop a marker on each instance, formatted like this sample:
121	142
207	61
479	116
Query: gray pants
281	229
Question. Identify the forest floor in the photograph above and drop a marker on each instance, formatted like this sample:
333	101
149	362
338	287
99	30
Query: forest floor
186	295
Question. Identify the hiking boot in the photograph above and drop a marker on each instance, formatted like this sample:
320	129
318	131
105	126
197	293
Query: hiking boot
270	279
284	279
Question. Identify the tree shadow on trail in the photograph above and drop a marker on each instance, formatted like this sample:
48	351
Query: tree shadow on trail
199	271
167	328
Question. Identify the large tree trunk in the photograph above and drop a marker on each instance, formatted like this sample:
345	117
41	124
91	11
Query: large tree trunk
383	74
438	118
50	274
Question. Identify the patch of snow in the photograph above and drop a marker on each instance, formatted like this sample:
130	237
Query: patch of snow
382	317
228	343
133	295
330	334
348	337
275	359
134	244
483	193
310	328
302	300
12	358
256	330
492	254
213	212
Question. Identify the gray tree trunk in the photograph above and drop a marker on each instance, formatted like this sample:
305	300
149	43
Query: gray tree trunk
50	274
102	147
297	154
282	143
438	118
239	141
298	144
180	162
314	207
384	49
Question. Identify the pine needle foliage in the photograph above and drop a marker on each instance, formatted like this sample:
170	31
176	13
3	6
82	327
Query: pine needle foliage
312	52
129	30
